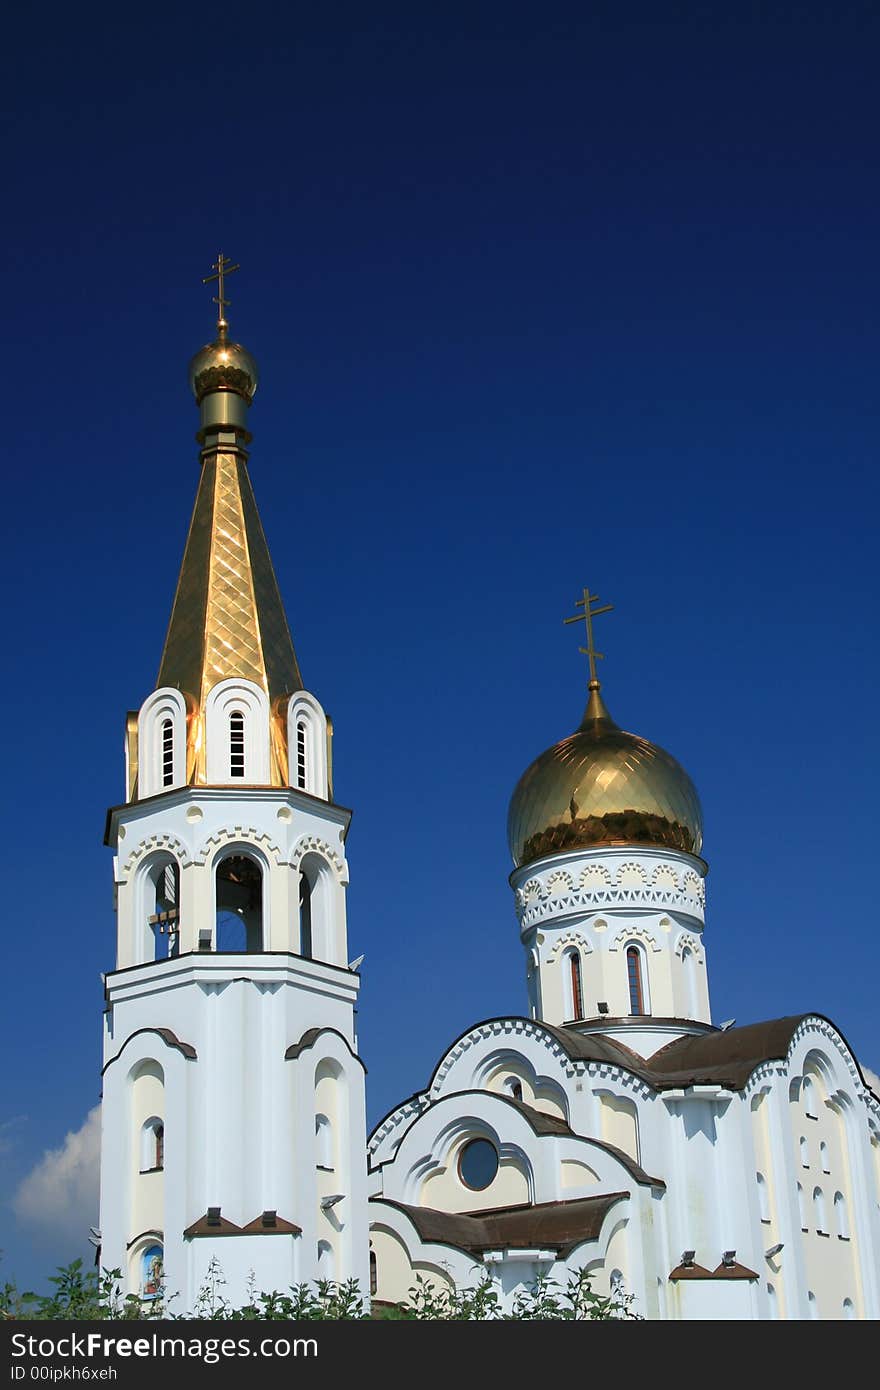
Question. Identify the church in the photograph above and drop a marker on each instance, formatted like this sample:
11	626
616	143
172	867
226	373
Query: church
707	1172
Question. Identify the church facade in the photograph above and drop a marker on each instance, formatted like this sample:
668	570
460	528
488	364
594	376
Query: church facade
709	1172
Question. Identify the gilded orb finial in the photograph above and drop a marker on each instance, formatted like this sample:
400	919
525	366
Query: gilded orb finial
222	367
222	267
589	613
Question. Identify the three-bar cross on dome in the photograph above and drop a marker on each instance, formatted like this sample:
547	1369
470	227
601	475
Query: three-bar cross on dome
602	786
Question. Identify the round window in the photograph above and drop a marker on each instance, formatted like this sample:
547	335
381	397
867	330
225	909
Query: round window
478	1164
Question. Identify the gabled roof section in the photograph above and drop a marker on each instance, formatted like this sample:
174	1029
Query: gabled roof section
227	619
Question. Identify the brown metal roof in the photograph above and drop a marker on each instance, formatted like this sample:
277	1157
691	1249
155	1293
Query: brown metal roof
540	1121
732	1271
258	1227
171	1039
717	1058
557	1226
724	1059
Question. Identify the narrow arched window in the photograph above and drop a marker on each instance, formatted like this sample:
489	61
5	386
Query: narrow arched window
772	1300
236	744
805	1152
802	1207
152	1145
848	1309
514	1087
823	1157
374	1272
305	917
577	994
301	779
809	1099
688	966
819	1209
634	975
763	1197
812	1304
840	1216
167	753
323	1143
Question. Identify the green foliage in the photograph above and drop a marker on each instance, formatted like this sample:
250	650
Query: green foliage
544	1299
79	1295
325	1301
89	1296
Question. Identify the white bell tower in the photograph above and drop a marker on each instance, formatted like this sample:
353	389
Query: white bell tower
233	1121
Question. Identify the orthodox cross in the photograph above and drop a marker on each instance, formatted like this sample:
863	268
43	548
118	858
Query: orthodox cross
587	616
222	267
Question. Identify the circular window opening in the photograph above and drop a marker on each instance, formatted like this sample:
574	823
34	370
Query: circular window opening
478	1164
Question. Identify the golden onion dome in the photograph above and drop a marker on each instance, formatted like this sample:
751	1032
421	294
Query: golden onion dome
602	786
223	366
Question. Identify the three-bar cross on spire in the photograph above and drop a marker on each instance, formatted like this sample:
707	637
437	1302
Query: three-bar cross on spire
222	267
587	616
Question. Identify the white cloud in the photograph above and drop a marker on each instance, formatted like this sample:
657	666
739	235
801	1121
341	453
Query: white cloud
60	1194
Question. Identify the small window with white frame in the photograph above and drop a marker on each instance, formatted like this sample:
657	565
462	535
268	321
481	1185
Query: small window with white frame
236	744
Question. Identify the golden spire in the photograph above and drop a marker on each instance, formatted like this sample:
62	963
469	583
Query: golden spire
222	267
228	619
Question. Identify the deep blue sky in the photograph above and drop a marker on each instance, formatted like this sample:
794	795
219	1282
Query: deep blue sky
541	296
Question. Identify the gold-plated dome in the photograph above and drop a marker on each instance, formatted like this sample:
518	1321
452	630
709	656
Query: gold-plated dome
223	366
602	786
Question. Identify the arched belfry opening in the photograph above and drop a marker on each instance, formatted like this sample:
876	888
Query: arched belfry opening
162	909
317	909
239	904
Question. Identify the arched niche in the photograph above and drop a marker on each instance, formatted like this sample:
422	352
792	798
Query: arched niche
331	1115
161	742
620	1123
319	908
307	745
147	1267
237	734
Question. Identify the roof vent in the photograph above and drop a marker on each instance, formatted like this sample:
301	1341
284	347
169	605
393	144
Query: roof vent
213	1216
687	1259
269	1218
728	1259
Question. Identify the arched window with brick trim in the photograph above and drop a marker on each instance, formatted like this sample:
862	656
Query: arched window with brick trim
636	981
574	984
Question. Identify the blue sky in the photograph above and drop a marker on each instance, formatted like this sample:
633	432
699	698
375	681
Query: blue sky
541	296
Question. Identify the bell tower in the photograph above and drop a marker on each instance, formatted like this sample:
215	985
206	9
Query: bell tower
233	1124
